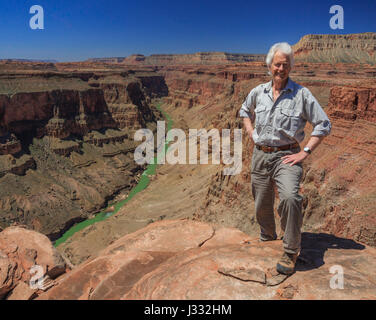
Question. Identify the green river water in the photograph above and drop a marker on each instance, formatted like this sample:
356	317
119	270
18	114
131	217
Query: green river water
142	184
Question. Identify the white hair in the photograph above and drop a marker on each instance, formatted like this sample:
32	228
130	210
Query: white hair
283	47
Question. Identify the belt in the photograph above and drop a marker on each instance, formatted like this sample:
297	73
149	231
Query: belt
275	149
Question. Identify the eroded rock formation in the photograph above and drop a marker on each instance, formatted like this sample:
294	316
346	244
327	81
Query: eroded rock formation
181	259
204	58
27	257
334	48
66	141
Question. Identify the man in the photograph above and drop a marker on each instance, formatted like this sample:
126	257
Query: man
280	110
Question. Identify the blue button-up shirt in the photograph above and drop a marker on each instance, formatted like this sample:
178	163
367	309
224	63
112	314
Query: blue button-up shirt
282	122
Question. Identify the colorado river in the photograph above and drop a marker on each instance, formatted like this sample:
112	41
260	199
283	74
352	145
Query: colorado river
142	184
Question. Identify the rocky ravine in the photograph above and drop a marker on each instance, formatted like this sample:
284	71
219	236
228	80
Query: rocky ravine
66	129
66	142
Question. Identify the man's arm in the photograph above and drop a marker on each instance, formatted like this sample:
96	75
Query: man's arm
314	141
247	112
321	127
248	126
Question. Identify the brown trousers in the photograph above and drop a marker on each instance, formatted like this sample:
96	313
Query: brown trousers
266	169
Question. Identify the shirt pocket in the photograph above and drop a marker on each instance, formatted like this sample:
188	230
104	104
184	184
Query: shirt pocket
261	113
291	110
290	118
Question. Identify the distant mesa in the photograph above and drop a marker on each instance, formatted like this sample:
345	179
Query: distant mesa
107	60
190	58
337	48
30	60
322	48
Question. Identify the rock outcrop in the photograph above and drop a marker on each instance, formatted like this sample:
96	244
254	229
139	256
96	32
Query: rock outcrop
182	259
28	263
352	103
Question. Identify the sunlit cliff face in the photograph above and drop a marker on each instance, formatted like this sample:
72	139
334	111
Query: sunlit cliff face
280	67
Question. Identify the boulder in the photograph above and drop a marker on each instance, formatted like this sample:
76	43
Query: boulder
25	256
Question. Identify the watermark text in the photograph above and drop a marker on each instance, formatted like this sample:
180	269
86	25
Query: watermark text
338	20
178	148
37	20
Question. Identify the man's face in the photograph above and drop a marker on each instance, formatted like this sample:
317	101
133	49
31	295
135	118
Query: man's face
280	67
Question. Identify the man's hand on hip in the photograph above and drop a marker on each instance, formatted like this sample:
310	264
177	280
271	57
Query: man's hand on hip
294	158
312	143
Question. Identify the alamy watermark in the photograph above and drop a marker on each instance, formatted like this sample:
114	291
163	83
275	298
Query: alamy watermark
177	150
337	281
38	278
338	20
37	20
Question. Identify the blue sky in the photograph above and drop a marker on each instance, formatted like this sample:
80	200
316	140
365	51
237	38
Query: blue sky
78	30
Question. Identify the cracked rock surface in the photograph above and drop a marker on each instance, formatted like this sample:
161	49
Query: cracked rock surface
184	259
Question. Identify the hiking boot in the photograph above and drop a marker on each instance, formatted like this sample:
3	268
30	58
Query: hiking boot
286	265
268	238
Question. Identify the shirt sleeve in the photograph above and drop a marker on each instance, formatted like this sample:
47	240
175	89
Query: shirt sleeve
316	116
248	106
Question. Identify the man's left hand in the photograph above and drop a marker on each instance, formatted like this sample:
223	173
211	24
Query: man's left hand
294	158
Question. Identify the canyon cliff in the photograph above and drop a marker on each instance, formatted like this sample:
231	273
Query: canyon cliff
336	48
66	142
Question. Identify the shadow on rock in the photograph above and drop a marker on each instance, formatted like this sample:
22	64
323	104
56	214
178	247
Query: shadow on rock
314	245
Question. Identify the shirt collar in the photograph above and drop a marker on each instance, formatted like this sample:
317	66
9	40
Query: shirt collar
289	86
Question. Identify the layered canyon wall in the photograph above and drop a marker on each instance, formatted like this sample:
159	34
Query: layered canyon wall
337	48
66	142
203	58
